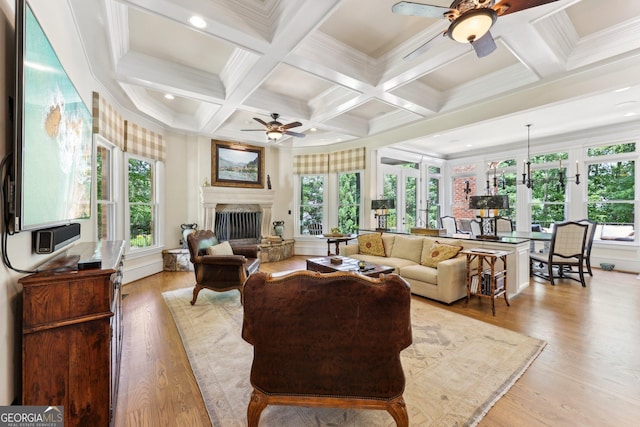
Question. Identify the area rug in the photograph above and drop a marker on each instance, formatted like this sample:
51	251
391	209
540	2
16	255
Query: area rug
456	368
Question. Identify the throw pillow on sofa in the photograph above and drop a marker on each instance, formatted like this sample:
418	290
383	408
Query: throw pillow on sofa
439	252
407	247
371	244
223	248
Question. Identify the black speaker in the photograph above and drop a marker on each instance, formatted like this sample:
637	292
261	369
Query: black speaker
49	240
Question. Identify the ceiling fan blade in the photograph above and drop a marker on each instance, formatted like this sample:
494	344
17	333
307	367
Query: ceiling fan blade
259	120
252	130
518	5
299	135
484	45
291	125
417	9
423	48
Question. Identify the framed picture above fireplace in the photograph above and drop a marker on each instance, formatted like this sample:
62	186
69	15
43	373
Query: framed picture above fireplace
236	165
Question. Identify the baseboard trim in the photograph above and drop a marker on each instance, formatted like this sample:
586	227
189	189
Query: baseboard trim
140	271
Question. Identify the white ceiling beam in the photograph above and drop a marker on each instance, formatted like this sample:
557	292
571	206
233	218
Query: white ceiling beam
177	79
222	20
297	30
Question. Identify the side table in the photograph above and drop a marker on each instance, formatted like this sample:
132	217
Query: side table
337	239
488	279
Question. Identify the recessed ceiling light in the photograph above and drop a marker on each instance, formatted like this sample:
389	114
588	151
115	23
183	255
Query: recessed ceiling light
631	114
168	96
313	129
622	89
197	21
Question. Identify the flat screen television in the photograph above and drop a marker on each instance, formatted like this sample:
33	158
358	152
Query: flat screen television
53	135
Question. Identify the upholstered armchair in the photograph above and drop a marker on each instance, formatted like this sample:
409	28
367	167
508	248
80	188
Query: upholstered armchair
327	340
220	272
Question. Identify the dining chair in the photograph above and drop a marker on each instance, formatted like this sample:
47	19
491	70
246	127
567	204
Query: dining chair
503	224
465	226
591	231
476	227
449	224
566	251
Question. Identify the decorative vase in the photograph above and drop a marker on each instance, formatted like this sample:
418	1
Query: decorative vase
278	228
186	230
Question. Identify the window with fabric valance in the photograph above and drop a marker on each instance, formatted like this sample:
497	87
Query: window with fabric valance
143	142
338	161
328	193
144	151
107	121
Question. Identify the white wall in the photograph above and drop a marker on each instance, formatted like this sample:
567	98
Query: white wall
181	182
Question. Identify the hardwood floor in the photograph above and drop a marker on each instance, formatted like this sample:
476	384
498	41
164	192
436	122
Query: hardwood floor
588	374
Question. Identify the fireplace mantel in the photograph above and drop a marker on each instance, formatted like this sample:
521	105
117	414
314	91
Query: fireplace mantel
228	195
212	196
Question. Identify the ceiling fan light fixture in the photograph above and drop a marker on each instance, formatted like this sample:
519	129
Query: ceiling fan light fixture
472	25
274	134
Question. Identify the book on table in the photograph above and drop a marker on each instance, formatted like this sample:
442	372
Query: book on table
486	282
482	283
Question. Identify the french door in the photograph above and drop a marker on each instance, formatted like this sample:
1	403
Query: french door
402	185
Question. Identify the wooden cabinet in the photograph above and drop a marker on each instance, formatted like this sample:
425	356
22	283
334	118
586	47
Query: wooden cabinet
72	334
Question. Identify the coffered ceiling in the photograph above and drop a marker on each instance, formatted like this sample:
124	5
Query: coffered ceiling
337	67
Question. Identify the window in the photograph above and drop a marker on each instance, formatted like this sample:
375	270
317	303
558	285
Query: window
311	203
390	191
349	202
433	206
548	195
105	198
505	180
142	203
410	202
611	191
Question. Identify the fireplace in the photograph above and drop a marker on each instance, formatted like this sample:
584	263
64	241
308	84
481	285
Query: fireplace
232	206
239	223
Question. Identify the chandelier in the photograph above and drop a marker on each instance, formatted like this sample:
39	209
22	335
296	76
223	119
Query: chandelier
527	178
497	182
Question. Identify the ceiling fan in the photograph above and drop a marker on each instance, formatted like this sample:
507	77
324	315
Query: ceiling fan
275	130
470	20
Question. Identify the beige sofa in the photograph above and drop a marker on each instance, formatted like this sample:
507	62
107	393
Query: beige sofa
446	283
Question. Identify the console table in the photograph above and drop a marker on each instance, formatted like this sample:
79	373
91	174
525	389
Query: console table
72	334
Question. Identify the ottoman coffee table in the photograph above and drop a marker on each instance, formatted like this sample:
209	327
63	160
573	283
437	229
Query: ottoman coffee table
324	265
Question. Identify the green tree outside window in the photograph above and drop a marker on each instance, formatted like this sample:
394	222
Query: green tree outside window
349	202
140	203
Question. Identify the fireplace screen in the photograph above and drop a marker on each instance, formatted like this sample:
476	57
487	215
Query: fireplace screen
238	225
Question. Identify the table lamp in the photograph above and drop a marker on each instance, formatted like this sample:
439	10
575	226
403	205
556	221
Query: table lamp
382	206
488	202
